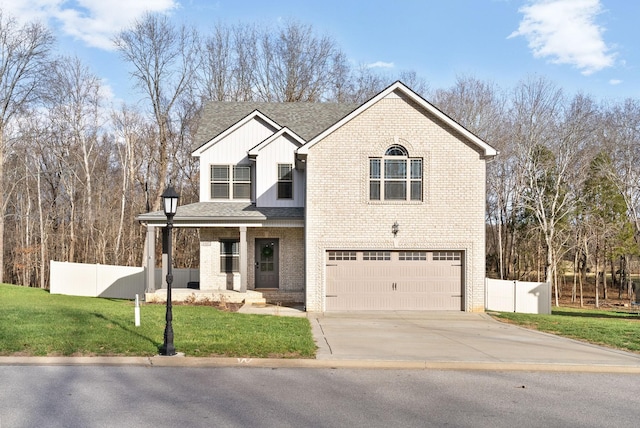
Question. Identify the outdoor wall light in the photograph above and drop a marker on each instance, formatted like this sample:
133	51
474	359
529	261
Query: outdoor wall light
170	203
395	229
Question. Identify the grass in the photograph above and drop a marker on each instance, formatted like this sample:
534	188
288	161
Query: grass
36	323
615	329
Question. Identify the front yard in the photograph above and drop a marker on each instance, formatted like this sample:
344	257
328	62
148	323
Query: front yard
614	328
36	323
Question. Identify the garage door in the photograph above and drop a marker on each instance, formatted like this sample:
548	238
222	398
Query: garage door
394	280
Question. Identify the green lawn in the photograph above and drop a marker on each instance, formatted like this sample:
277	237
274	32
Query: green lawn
615	329
34	322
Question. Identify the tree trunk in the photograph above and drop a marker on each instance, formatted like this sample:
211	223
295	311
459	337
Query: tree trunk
43	234
597	277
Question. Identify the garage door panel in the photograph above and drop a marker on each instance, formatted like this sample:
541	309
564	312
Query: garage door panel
402	281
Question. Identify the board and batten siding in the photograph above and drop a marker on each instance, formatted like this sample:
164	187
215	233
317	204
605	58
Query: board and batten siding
279	151
232	150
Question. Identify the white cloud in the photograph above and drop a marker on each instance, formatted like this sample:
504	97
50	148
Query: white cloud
615	82
93	21
381	64
565	31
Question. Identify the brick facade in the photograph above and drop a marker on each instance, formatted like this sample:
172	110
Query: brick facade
339	214
291	259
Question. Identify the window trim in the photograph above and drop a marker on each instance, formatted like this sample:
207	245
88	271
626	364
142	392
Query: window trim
285	181
381	178
231	181
229	258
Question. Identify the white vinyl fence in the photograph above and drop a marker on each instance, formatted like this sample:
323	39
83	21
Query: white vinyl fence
518	296
117	282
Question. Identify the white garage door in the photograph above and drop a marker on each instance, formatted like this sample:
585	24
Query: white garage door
394	280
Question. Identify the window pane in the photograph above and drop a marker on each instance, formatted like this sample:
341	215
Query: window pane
396	150
416	190
241	191
241	173
374	190
374	168
416	169
395	190
229	247
229	256
285	172
285	190
220	190
220	173
394	169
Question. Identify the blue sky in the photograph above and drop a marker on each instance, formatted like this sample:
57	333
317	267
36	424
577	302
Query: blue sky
582	45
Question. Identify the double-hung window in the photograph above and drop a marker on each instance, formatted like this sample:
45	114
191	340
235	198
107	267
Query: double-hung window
395	176
285	181
230	182
229	256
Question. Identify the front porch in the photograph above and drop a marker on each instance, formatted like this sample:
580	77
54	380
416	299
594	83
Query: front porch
247	254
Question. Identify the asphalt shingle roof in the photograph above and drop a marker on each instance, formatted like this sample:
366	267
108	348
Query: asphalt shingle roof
226	211
305	119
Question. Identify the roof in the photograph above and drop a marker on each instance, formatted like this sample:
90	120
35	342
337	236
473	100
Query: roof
225	211
305	119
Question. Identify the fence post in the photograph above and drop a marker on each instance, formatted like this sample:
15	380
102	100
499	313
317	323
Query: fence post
515	298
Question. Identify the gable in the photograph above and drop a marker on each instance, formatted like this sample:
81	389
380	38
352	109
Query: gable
243	134
399	91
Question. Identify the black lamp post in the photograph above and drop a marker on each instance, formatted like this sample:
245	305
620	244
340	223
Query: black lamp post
170	203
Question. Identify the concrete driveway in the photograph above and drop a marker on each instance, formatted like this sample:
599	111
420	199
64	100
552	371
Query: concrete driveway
455	338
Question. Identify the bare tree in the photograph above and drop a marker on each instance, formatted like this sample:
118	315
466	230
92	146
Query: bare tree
551	139
294	64
481	108
164	61
621	135
216	73
24	52
73	100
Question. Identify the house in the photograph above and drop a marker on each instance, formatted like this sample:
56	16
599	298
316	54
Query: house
379	206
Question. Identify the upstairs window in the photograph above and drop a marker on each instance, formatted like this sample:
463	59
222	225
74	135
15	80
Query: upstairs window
395	176
285	181
230	182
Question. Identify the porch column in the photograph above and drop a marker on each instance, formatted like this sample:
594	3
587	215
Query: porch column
150	260
243	259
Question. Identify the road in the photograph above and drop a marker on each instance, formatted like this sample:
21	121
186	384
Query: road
81	396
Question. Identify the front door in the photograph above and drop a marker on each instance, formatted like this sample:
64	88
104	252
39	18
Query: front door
267	263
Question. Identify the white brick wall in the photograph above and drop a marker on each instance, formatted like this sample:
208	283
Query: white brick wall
339	215
291	261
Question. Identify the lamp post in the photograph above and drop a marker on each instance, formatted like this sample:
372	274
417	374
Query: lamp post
170	203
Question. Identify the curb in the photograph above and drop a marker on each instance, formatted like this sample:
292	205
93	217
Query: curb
204	362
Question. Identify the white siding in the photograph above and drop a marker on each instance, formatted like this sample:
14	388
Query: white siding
279	151
232	150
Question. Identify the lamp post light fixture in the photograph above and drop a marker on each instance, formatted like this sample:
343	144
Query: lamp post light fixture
395	229
170	203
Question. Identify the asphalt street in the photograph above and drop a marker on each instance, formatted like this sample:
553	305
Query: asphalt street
137	396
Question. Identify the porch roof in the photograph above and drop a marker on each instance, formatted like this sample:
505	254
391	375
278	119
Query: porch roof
224	212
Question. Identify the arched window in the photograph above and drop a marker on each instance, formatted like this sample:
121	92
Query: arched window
395	176
396	150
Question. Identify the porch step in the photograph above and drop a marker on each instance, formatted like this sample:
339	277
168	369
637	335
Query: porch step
254	298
